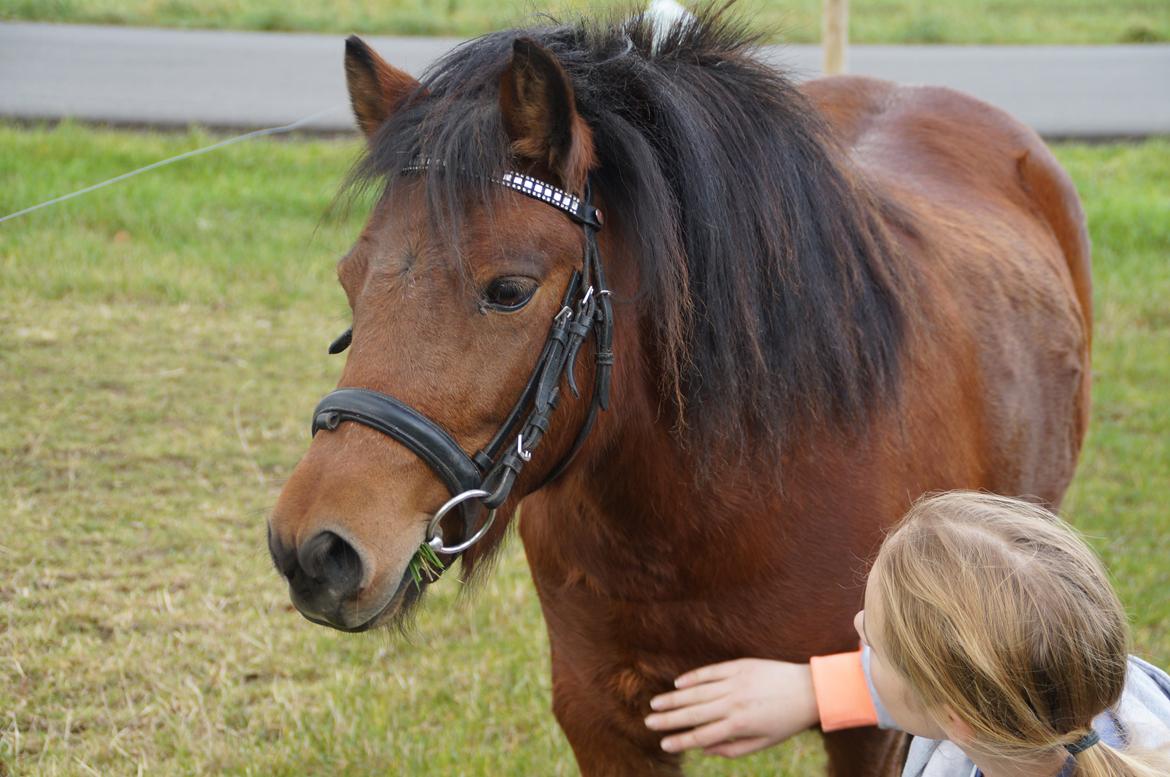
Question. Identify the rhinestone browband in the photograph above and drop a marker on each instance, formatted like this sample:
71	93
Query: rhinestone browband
530	187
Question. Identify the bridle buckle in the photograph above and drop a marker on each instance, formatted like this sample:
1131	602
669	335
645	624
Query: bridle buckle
524	455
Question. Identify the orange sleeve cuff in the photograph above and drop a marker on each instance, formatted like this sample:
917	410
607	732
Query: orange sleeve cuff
843	699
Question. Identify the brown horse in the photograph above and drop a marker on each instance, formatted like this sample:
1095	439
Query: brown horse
826	301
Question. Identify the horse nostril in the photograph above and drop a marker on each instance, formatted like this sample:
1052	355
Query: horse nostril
283	556
329	560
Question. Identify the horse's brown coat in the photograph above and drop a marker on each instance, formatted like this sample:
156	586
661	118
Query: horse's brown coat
645	570
995	397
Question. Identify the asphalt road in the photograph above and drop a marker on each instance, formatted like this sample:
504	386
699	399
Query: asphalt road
240	79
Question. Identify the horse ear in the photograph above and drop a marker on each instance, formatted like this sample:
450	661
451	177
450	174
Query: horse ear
376	88
540	114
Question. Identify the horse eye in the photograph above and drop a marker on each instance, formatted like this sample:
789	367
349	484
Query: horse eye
505	295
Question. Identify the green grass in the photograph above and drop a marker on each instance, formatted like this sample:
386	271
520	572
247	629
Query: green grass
872	21
163	343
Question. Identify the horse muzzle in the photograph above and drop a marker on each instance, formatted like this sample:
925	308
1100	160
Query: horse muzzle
327	582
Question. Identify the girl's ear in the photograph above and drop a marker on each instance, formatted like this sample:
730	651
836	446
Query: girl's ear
957	729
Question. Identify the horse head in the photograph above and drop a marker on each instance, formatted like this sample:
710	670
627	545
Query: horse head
452	302
750	266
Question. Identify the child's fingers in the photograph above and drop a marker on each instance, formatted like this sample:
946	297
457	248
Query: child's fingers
695	695
686	717
705	736
706	674
738	747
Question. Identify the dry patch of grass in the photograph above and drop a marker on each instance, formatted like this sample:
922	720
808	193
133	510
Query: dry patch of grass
144	626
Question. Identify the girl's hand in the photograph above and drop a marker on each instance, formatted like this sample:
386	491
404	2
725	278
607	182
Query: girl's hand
736	707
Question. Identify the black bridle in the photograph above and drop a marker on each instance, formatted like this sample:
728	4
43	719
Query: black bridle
489	475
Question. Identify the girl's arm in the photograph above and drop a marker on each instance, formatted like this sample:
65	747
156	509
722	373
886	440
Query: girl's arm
738	707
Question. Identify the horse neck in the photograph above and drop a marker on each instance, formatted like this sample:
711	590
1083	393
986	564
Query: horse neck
639	486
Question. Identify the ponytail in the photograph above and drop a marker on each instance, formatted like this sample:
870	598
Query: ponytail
1101	760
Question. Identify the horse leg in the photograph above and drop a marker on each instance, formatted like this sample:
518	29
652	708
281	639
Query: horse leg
606	741
866	752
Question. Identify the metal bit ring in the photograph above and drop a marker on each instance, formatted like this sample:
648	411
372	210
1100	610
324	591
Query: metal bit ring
434	536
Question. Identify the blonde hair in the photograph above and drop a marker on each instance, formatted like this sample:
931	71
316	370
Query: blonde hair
997	609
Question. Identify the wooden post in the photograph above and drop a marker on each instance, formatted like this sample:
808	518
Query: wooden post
835	35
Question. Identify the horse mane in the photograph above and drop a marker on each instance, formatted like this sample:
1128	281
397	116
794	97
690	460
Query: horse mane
769	294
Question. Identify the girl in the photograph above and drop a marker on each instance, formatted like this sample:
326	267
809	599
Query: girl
990	632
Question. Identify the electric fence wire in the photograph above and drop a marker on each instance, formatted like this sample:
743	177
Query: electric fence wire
185	155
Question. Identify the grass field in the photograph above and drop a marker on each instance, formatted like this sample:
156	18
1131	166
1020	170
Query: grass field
163	344
872	21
